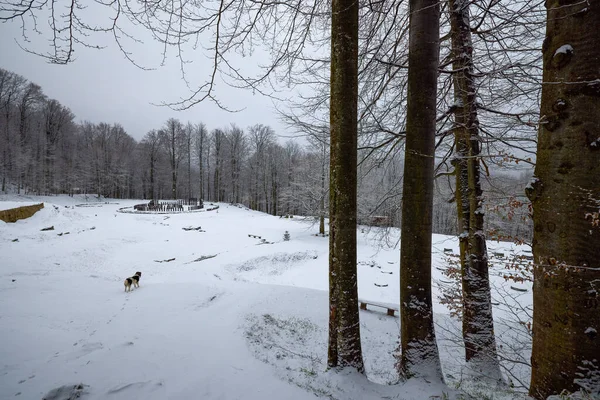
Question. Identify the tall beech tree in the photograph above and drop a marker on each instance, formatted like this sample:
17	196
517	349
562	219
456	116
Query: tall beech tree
419	357
565	196
344	325
478	323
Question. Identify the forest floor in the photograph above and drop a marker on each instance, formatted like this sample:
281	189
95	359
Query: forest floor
218	314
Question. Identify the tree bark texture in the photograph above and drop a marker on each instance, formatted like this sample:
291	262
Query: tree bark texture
344	325
565	196
419	357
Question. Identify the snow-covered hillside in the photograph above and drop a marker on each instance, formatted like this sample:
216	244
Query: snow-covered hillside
218	315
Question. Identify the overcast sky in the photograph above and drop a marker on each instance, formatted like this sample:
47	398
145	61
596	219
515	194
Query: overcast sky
102	86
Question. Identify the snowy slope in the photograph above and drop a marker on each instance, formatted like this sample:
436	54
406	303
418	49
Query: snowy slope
230	317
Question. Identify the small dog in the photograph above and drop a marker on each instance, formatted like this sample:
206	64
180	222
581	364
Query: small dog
134	280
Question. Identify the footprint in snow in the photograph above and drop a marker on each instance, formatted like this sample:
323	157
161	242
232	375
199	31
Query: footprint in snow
127	386
25	380
208	301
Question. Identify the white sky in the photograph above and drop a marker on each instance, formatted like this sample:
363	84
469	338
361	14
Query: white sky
102	86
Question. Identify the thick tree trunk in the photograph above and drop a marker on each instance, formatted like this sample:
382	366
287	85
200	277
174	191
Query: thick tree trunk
420	356
344	325
478	323
565	195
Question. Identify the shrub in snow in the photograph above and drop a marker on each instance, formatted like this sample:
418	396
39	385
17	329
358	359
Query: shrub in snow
286	236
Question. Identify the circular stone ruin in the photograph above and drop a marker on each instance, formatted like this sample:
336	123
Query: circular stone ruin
169	207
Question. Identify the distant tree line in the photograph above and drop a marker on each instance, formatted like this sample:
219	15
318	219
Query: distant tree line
44	151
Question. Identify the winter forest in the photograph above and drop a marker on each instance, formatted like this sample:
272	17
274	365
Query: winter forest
46	151
479	120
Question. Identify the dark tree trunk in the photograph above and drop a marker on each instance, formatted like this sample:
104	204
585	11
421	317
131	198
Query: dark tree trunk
478	323
420	356
344	324
323	193
274	190
201	165
173	167
233	196
152	187
217	177
265	190
208	191
174	184
565	195
189	166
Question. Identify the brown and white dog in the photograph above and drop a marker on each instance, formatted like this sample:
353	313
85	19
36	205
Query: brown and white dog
134	280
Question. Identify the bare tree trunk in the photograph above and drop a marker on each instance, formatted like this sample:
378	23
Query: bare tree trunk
420	356
189	166
217	177
255	194
152	184
478	323
265	189
274	190
201	164
344	324
174	184
208	192
233	196
173	169
216	183
323	194
565	195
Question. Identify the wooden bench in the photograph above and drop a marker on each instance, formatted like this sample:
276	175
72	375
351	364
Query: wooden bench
390	308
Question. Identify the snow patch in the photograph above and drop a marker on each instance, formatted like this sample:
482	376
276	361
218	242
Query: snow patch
532	181
564	49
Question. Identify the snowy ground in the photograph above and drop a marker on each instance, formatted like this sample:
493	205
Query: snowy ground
218	315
